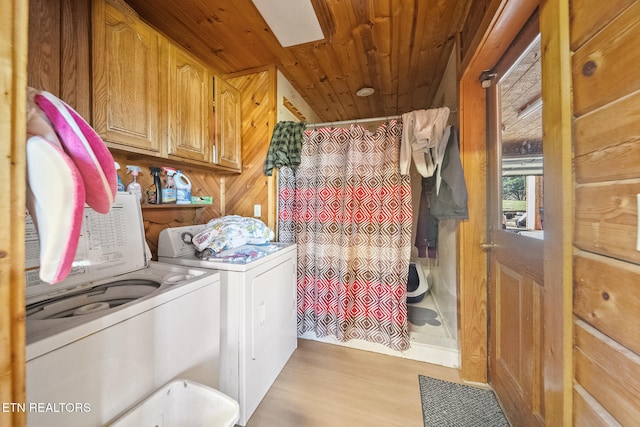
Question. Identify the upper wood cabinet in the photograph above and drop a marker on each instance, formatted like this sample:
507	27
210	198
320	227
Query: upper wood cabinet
190	107
127	101
152	97
228	126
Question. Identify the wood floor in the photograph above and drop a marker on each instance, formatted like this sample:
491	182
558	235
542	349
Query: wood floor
326	385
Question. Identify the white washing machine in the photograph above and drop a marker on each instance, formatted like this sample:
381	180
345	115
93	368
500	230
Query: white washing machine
258	309
118	328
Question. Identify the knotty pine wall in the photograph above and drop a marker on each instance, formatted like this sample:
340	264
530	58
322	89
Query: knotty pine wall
262	92
252	187
606	307
203	183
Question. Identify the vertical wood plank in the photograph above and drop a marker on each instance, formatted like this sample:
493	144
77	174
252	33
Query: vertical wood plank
556	128
44	45
253	187
75	58
472	262
13	82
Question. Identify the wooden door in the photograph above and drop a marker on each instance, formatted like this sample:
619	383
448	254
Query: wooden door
515	230
228	126
190	107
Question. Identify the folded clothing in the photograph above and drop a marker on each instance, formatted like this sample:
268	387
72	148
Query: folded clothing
240	255
230	232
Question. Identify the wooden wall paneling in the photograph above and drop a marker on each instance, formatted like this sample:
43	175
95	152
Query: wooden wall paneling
75	64
44	45
609	372
59	59
607	127
606	142
606	219
203	183
253	187
607	296
606	67
13	81
590	16
588	412
156	220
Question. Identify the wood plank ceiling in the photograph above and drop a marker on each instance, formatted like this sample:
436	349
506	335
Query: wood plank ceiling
398	47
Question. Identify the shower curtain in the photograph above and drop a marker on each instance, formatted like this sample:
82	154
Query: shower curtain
349	210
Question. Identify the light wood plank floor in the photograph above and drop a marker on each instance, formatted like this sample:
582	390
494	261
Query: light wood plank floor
326	385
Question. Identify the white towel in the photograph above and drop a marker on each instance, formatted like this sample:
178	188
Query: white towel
422	131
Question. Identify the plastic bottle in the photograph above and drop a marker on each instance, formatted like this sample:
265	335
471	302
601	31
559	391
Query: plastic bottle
134	187
183	188
154	193
169	187
120	184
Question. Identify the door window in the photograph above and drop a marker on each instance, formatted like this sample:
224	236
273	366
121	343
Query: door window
518	93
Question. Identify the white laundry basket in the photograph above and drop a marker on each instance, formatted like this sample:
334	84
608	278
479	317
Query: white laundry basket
182	403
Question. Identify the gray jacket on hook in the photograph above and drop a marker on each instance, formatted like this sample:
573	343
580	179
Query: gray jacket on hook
449	201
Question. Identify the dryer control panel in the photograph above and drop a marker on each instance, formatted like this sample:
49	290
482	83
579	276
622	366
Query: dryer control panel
176	242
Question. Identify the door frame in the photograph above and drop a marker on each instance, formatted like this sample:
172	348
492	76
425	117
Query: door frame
501	24
13	40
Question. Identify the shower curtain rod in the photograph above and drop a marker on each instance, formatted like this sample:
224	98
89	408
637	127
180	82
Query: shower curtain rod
346	122
371	119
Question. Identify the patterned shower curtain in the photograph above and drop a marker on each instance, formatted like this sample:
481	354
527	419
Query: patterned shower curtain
349	210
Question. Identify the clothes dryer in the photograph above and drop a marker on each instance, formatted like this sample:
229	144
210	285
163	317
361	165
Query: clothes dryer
258	309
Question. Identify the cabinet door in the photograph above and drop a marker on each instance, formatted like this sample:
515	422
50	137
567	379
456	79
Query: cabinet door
126	84
190	107
228	126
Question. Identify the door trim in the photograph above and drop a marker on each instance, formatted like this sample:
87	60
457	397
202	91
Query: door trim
490	44
14	41
557	123
491	41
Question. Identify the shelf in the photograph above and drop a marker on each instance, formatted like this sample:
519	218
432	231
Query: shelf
175	206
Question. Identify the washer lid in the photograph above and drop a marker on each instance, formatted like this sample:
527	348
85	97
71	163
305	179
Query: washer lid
110	244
